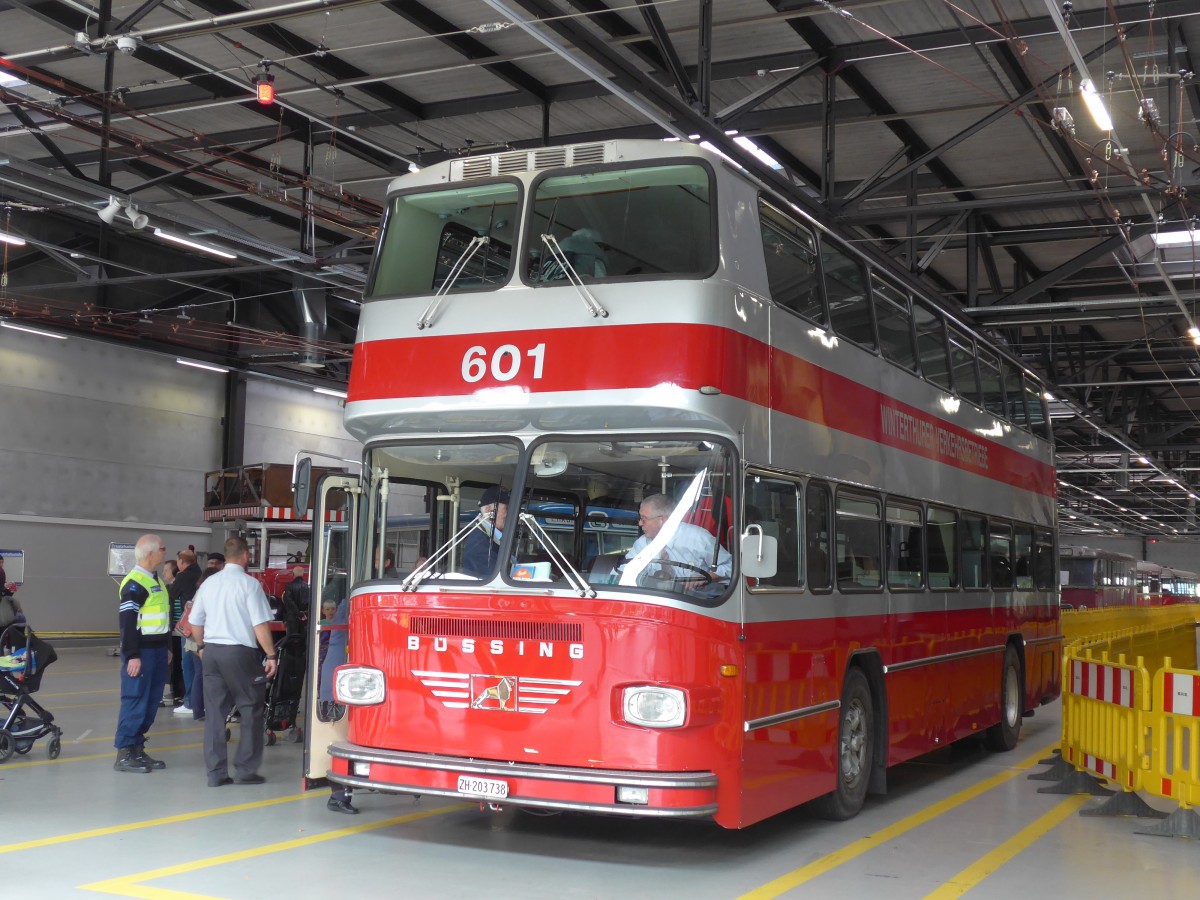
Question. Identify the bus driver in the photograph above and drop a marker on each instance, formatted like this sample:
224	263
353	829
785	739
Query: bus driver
685	543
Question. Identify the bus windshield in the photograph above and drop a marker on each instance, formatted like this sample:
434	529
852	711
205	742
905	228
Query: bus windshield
459	239
643	513
627	223
678	492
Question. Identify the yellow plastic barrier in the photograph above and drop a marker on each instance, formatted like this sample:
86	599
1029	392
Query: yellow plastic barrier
1174	736
1103	708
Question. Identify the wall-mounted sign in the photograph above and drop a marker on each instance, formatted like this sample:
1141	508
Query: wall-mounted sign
120	560
14	566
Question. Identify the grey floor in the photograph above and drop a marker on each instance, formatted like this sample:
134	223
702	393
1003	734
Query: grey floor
960	821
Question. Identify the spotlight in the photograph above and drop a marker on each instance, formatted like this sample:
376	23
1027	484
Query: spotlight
109	213
139	219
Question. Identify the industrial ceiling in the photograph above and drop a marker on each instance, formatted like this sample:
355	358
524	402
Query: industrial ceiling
958	138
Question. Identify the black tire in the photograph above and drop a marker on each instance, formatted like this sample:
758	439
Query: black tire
856	750
54	748
7	744
1003	736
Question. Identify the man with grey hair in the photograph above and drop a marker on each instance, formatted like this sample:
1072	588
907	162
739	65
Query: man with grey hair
681	542
145	624
231	620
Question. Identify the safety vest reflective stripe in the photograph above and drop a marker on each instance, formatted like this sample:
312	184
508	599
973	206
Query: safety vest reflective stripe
155	615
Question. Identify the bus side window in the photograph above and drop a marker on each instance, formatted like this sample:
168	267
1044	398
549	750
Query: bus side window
941	541
846	293
858	542
790	253
773	504
817	507
974	545
1000	556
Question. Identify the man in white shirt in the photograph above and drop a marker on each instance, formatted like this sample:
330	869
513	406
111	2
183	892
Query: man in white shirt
666	539
230	621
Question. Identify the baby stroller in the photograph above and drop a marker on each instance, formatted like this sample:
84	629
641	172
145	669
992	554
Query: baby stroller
23	658
285	689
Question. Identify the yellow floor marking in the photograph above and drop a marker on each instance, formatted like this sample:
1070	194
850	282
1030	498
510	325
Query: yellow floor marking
113	670
959	884
77	693
851	851
132	885
154	823
156	733
84	706
25	764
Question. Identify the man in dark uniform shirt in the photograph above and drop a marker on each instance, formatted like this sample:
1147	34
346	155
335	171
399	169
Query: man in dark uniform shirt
145	623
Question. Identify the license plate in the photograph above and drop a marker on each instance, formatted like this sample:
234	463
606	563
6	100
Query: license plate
487	788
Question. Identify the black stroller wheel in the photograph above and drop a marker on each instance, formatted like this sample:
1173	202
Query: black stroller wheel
7	744
55	747
270	738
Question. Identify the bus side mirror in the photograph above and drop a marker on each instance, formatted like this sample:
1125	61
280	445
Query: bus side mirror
759	553
302	488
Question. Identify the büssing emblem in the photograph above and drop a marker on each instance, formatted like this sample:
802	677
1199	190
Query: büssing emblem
494	692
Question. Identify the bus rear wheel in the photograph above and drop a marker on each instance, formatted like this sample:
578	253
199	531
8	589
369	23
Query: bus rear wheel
856	750
1003	735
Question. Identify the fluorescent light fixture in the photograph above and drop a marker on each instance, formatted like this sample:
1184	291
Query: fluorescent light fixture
199	365
15	327
1175	238
330	392
1095	105
759	153
9	80
1143	460
195	245
7	238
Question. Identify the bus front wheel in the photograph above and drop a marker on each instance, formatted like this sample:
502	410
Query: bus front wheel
1003	735
856	750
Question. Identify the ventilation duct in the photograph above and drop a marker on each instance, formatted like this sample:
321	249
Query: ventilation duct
310	312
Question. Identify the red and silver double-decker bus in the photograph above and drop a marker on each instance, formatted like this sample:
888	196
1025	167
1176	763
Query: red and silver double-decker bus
847	497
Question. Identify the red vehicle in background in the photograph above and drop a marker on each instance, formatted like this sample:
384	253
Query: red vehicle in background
255	501
1093	578
1163	586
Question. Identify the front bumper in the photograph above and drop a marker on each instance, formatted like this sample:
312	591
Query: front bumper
669	794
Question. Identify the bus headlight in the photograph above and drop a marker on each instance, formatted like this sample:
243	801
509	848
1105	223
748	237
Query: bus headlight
358	686
654	706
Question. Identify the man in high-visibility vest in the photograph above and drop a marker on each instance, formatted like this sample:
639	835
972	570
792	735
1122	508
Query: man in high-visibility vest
145	620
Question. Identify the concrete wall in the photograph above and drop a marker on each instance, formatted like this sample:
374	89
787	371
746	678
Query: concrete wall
102	443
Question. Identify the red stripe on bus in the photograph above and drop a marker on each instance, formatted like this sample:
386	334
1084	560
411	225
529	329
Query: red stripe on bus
687	356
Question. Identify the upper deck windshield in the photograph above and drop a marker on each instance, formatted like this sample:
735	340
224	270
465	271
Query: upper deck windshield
457	239
624	223
574	514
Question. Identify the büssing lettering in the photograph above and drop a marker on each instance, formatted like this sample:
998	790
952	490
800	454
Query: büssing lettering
541	649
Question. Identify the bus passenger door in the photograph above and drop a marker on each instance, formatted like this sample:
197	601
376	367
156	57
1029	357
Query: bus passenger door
331	564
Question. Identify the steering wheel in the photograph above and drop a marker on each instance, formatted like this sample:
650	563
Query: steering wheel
660	576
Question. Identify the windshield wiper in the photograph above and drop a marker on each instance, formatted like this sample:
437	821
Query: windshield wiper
592	304
578	582
456	270
421	571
